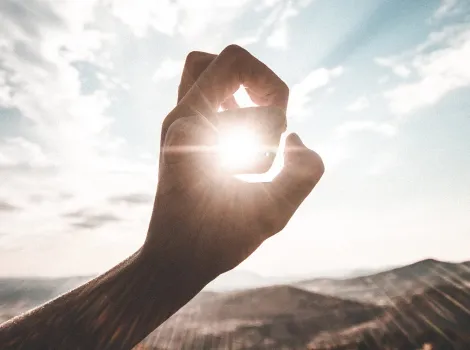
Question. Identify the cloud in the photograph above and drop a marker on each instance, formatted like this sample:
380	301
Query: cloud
20	153
37	61
95	220
90	220
278	22
441	66
142	15
398	69
359	104
135	198
246	40
185	17
279	37
5	91
349	127
300	94
447	8
5	206
63	142
168	69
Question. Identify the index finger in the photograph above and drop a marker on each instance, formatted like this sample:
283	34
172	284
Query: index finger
233	67
196	63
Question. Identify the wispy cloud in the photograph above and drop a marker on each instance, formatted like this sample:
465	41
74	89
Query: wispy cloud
448	8
168	69
441	66
92	221
20	153
398	68
5	206
300	95
134	198
353	126
359	104
279	36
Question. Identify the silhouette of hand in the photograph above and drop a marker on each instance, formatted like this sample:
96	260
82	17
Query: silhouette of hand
202	214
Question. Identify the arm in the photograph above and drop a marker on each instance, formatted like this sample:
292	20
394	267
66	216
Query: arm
113	311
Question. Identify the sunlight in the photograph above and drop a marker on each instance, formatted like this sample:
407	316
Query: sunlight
242	98
238	148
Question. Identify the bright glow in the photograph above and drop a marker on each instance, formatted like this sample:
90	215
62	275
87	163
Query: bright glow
238	148
242	98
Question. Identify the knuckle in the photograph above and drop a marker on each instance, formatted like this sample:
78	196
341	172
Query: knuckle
177	131
189	130
193	56
233	50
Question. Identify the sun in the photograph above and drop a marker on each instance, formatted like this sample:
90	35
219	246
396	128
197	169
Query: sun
238	148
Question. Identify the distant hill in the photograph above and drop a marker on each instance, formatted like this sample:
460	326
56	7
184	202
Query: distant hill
402	308
273	317
33	291
21	294
383	287
439	316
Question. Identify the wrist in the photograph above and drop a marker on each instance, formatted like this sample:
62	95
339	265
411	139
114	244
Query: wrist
173	258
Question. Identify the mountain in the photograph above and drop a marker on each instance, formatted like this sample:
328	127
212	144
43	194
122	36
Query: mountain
273	317
32	291
238	279
383	287
439	316
20	294
402	308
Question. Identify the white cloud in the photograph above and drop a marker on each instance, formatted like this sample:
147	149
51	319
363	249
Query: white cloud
300	92
186	17
18	152
5	91
350	127
279	36
142	15
398	69
168	69
441	69
446	8
245	41
68	158
359	104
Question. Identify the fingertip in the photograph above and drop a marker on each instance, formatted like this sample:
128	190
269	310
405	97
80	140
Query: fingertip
299	156
293	139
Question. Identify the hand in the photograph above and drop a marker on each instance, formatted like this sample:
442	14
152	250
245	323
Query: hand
202	214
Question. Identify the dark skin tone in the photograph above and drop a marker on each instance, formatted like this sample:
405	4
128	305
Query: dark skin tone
204	221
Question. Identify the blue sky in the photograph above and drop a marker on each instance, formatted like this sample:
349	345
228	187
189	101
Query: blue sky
381	89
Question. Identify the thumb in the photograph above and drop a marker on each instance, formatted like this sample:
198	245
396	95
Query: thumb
302	170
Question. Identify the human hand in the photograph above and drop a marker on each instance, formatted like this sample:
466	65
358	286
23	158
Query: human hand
202	214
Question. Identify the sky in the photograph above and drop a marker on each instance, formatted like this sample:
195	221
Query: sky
379	88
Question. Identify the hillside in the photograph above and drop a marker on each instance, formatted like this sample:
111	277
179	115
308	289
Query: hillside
275	317
428	301
439	316
383	287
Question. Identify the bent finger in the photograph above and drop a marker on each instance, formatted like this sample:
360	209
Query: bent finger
233	67
196	62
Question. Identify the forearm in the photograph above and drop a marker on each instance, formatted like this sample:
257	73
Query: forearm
113	311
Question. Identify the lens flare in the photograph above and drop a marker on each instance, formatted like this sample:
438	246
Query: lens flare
238	148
